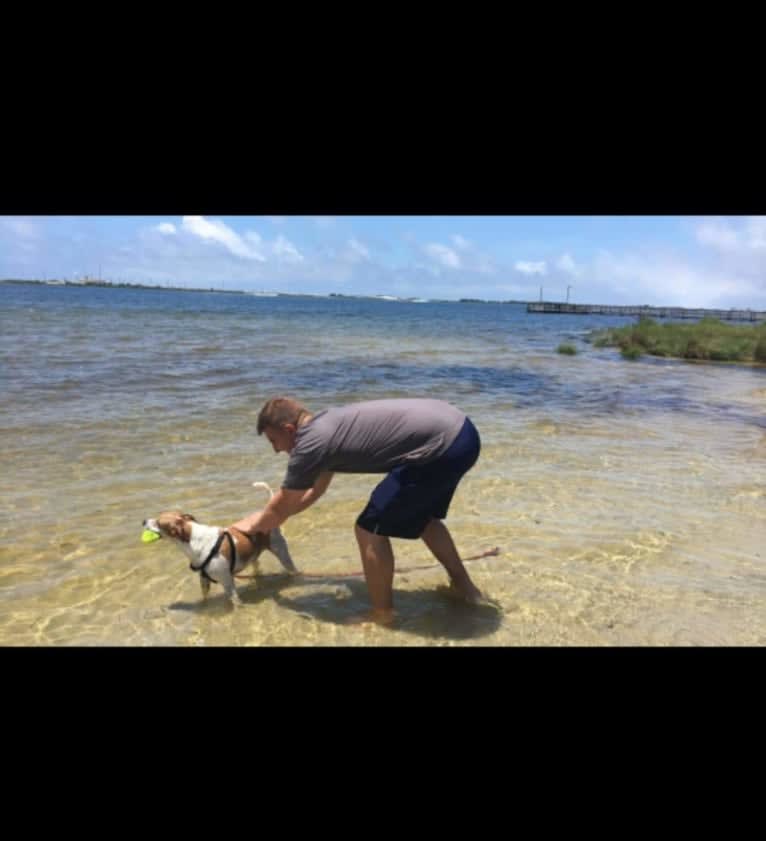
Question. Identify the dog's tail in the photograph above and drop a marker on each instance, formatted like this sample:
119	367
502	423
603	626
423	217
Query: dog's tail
265	487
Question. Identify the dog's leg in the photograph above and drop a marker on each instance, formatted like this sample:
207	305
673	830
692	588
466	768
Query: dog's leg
220	572
279	548
229	587
204	586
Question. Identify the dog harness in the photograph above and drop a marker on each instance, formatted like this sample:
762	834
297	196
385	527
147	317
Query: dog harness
232	561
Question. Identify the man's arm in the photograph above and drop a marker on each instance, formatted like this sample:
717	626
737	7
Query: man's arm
312	494
283	504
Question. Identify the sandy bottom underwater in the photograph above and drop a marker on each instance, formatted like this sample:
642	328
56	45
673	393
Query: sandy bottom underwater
635	530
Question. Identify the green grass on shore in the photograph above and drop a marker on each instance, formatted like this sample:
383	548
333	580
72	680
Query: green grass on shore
708	339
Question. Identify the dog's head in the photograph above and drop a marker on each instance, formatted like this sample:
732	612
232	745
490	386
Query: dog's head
172	524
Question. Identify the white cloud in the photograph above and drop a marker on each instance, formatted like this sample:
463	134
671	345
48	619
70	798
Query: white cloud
286	251
668	280
719	235
756	232
471	258
526	267
748	237
568	265
442	255
356	251
24	228
217	231
736	253
166	228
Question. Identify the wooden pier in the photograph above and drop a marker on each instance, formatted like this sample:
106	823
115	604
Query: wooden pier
645	311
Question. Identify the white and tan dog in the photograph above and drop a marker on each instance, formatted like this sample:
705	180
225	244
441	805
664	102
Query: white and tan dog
218	554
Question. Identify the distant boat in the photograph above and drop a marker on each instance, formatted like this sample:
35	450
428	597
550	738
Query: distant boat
263	294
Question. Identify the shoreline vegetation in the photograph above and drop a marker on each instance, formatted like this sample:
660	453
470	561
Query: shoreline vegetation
708	340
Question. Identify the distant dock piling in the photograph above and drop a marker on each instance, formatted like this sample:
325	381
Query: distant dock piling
645	311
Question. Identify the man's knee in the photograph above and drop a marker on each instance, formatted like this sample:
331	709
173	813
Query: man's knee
433	524
362	533
369	540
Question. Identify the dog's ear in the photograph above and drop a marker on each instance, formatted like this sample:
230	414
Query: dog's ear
189	517
177	526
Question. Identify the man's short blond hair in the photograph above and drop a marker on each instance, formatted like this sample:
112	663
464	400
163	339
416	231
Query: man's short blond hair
278	411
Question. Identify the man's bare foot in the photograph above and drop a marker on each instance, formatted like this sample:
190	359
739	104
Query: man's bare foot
472	596
377	617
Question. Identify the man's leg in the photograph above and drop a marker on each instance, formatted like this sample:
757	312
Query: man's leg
378	564
437	538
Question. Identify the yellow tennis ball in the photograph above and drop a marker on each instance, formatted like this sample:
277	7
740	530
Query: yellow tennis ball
149	536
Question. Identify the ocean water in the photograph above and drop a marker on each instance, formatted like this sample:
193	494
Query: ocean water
627	500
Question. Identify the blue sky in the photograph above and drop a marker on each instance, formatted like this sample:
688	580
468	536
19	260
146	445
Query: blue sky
660	260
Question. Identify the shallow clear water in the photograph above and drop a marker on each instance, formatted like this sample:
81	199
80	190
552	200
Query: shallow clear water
627	499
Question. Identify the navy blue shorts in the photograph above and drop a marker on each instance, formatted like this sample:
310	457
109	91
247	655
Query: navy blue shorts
411	496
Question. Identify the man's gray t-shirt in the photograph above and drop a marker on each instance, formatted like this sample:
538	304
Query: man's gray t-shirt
372	437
